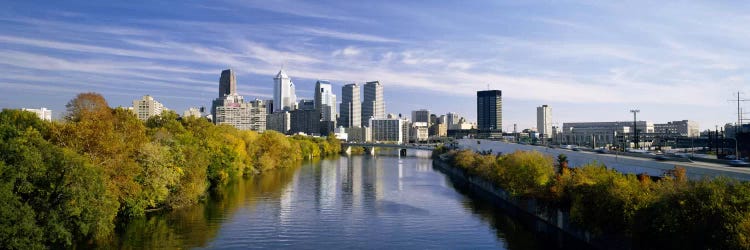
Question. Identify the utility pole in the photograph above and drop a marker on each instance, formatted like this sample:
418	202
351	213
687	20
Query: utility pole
635	127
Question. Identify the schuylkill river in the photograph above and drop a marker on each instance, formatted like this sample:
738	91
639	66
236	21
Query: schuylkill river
380	202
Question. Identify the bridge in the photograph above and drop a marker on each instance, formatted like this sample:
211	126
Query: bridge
370	147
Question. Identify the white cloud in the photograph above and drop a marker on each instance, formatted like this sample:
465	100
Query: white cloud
346	52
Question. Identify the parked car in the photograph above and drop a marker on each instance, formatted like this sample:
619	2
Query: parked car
576	149
738	163
602	150
661	158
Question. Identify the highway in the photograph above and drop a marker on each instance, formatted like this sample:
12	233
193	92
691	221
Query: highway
625	164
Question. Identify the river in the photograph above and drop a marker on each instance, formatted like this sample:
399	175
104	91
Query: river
355	202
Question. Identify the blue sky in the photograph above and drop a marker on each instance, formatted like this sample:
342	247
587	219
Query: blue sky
589	60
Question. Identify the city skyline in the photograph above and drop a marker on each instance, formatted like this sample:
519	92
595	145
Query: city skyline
555	57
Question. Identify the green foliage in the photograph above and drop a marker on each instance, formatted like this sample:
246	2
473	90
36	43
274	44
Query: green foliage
66	182
672	213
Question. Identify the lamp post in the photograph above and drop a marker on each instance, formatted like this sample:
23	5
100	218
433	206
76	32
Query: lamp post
635	127
736	149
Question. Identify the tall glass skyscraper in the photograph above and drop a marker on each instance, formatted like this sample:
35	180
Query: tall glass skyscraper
325	101
373	105
350	106
284	97
490	110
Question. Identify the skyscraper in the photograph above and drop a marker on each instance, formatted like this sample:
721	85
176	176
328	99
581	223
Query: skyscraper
227	83
490	110
544	121
284	97
421	115
372	103
231	108
325	101
350	106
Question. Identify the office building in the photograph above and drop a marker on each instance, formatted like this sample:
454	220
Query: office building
284	97
147	107
682	128
439	130
325	101
452	119
600	134
388	130
373	104
43	113
419	131
421	115
544	121
305	121
231	108
350	106
489	110
306	104
279	121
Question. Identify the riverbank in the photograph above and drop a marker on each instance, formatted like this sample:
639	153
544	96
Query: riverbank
69	181
543	218
608	209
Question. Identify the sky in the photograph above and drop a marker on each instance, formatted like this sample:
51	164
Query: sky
588	60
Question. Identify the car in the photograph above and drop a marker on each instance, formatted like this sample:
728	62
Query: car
738	163
576	149
602	150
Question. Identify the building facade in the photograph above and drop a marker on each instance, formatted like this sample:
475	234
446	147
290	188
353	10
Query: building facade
325	101
280	121
305	121
147	107
419	131
43	113
387	130
544	121
306	104
421	115
489	110
350	106
231	108
373	105
683	128
284	95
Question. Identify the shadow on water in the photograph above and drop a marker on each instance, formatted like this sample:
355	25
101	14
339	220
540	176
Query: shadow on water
517	229
197	225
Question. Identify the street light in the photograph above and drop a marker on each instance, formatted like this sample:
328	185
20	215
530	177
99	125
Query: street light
736	149
635	127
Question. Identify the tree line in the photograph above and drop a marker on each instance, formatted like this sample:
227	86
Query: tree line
70	181
671	212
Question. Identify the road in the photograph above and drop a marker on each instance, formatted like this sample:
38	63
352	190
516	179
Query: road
626	164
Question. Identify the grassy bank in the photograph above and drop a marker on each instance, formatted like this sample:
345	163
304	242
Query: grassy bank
671	213
69	181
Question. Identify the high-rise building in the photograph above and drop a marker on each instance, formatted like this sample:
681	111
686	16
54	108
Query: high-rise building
421	115
489	110
284	97
305	121
373	105
325	101
350	106
306	104
147	107
452	119
279	121
544	121
227	83
231	108
43	113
